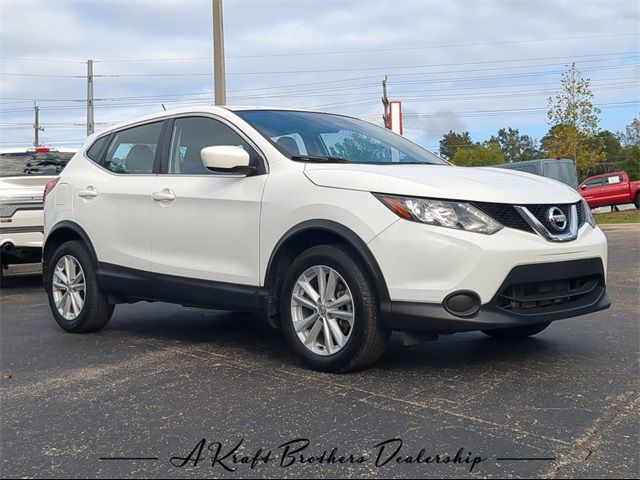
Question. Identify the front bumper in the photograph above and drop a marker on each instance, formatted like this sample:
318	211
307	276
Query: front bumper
530	294
423	265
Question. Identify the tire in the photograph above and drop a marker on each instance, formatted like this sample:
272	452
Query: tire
364	340
636	202
95	311
516	333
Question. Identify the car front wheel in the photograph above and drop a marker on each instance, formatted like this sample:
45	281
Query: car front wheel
330	312
75	299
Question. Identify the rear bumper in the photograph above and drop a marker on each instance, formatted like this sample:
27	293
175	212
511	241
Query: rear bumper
530	294
21	245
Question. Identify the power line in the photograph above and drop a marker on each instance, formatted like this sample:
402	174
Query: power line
338	52
625	56
362	69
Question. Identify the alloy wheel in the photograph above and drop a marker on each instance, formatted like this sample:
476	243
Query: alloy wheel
68	287
322	310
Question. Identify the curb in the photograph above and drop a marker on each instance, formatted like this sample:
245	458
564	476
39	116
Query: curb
619	226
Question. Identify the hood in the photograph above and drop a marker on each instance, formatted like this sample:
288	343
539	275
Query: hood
479	184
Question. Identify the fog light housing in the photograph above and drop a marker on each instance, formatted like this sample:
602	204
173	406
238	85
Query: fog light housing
463	303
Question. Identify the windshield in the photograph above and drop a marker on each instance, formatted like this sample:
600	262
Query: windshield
33	163
308	136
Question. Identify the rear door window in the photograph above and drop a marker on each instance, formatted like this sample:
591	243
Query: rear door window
614	179
133	151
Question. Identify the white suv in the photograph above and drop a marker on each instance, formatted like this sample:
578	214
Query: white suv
339	230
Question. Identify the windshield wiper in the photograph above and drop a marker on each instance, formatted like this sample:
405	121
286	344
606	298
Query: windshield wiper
319	159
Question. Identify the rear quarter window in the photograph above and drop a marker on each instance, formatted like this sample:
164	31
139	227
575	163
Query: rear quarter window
94	150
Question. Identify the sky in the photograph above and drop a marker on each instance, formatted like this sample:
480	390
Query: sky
461	65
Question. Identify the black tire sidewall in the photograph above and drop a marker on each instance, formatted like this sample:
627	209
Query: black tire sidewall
353	275
92	293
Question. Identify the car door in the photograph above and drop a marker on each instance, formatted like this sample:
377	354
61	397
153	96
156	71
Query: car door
111	199
593	192
206	225
617	188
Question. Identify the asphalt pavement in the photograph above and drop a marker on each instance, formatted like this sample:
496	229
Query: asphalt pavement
167	391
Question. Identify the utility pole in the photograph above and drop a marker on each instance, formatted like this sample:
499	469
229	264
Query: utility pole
36	126
385	103
90	122
219	87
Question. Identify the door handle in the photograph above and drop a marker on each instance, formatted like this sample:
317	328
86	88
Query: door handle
88	192
165	195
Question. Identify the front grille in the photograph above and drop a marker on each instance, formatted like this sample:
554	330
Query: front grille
505	214
509	217
540	297
580	210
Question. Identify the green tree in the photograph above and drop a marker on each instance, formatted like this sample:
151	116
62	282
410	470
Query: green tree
631	134
516	147
479	155
573	105
610	144
631	164
574	121
566	141
452	141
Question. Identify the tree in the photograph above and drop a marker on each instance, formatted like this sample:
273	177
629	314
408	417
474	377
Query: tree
478	155
516	147
565	141
574	121
573	104
631	164
452	141
610	144
630	140
631	134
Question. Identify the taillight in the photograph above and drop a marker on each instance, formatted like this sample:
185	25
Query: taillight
51	184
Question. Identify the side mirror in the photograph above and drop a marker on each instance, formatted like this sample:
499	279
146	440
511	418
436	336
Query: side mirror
227	159
582	187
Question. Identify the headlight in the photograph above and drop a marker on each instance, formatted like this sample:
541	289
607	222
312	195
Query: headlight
450	214
588	216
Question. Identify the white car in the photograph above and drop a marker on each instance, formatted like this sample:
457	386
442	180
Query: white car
23	174
339	230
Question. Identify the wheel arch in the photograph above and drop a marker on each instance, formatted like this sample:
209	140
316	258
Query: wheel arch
311	233
60	233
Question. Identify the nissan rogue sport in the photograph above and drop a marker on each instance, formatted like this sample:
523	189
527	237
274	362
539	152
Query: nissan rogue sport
338	230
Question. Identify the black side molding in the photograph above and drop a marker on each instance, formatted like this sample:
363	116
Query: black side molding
128	284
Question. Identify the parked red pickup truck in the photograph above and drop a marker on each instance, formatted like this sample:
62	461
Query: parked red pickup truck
610	189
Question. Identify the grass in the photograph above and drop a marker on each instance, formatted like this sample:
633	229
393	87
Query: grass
628	216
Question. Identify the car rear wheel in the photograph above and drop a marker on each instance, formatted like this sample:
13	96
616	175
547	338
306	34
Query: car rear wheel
637	201
75	299
516	333
329	311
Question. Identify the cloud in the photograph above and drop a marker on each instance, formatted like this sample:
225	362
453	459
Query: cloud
466	58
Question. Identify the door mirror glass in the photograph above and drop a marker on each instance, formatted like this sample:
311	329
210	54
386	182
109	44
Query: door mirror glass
226	158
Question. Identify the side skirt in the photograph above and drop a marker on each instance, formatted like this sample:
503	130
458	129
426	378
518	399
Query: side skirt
126	285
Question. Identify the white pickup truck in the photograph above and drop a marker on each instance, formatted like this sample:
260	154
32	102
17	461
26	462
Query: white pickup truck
23	175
